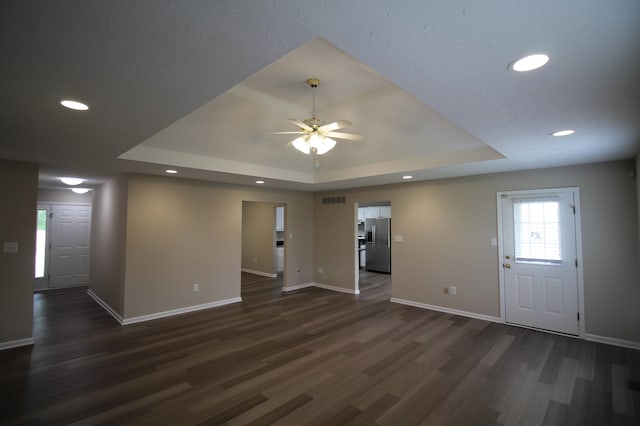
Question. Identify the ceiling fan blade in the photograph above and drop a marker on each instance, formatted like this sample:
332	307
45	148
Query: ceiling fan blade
349	136
336	125
299	132
301	124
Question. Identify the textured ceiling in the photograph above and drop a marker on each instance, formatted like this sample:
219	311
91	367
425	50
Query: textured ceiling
201	86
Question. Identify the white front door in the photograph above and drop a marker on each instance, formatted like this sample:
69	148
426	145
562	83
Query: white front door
540	260
70	237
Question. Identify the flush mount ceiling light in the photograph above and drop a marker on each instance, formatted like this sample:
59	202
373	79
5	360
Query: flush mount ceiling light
530	63
72	181
171	171
259	182
316	136
80	190
406	177
75	105
566	132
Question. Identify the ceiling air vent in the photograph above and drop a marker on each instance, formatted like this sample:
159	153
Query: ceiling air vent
334	200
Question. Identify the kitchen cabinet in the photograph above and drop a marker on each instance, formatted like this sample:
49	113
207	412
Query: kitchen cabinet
374	212
385	212
279	218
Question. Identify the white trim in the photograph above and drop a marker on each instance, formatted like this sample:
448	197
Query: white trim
263	274
105	306
297	287
17	343
578	237
334	288
169	313
612	341
446	310
178	311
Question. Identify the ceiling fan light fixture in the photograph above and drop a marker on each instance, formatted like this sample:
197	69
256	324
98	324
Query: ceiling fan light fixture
301	145
316	135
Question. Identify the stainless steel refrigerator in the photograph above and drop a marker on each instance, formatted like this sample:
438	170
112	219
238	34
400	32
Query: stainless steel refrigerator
378	232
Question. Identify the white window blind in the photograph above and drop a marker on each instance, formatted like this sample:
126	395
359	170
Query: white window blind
537	231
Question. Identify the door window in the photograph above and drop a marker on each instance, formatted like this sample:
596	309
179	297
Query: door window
537	231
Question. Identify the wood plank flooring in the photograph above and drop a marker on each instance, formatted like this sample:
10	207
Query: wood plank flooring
308	357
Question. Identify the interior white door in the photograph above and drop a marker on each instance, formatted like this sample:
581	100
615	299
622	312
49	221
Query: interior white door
540	261
70	238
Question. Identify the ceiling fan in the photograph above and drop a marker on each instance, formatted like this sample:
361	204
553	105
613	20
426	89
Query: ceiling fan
316	136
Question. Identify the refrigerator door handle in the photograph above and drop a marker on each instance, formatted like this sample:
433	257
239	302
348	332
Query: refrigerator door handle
373	229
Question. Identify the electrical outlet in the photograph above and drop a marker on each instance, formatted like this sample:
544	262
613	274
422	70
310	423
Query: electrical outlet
453	291
196	287
320	270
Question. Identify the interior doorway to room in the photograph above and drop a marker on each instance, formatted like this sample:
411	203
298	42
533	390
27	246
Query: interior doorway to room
62	245
373	245
540	258
263	247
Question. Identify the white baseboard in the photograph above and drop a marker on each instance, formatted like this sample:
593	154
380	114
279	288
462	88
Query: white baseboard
163	314
105	306
17	343
179	311
334	288
447	310
612	341
297	287
263	274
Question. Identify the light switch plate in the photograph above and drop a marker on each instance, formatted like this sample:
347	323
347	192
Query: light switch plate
10	247
398	238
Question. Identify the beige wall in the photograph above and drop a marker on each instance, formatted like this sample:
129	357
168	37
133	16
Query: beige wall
108	238
180	232
258	237
448	224
18	198
46	195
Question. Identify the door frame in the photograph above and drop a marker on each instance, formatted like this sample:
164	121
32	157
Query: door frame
578	234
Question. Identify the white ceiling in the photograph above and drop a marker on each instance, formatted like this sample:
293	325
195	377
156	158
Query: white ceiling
202	86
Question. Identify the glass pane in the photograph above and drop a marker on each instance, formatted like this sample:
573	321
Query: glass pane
537	231
41	241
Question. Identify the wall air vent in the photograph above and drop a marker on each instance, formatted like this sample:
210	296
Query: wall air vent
334	200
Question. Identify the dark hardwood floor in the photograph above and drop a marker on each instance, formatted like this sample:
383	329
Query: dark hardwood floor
308	357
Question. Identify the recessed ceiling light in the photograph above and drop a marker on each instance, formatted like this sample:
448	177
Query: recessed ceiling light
171	171
80	190
530	63
259	182
75	105
566	132
71	181
407	177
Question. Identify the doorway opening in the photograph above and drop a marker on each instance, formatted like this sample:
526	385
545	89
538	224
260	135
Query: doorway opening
373	246
263	260
541	259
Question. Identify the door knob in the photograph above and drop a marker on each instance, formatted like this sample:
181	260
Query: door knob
506	265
